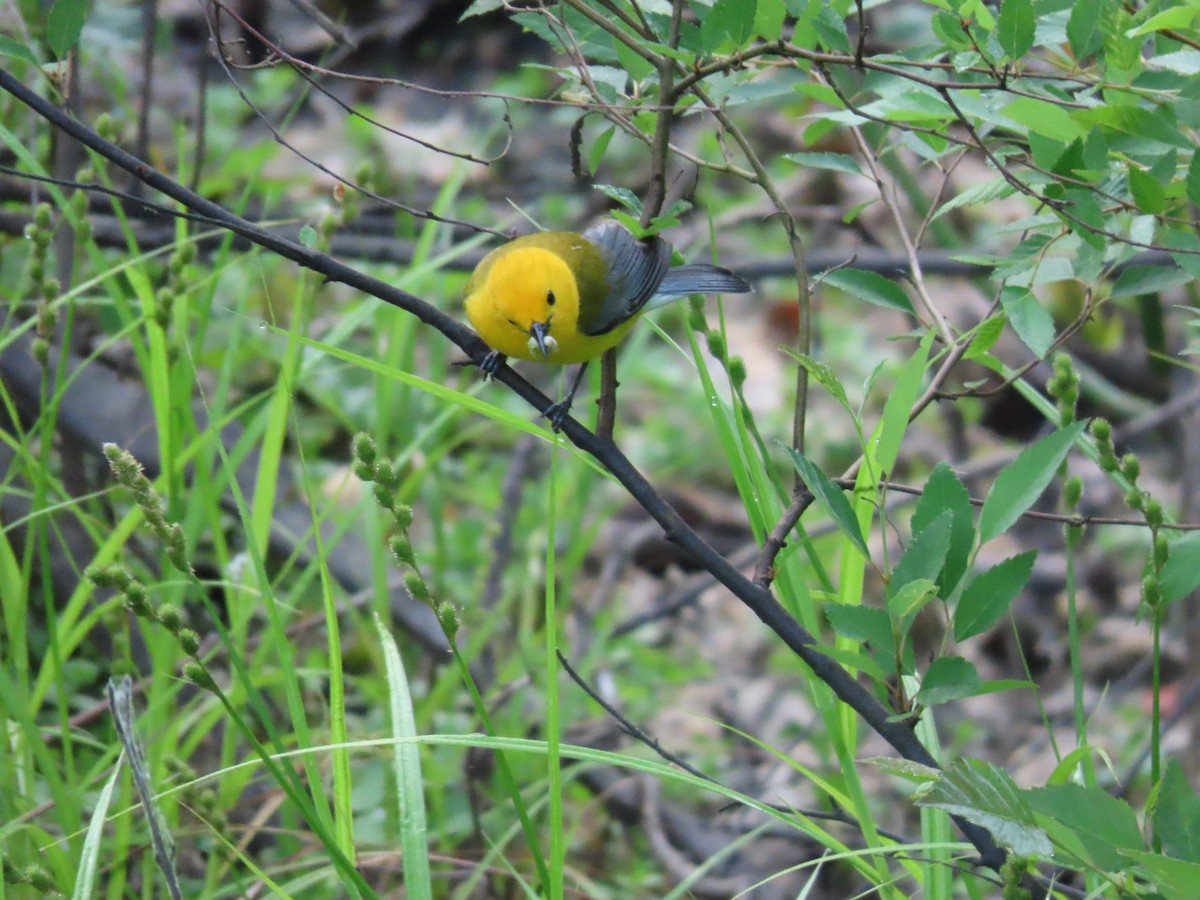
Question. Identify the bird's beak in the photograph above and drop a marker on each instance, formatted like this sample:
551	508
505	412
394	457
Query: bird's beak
539	337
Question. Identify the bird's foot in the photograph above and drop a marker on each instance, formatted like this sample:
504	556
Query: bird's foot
491	364
556	414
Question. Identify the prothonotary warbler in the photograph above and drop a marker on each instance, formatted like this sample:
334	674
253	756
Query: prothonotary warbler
560	297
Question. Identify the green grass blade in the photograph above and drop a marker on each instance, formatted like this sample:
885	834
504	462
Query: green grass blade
410	790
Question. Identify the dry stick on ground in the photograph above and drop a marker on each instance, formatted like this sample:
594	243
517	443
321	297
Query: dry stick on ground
761	602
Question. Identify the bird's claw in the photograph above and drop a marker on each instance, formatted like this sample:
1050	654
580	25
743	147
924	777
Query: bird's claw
556	414
491	364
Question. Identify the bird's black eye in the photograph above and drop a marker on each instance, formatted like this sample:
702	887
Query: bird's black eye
549	298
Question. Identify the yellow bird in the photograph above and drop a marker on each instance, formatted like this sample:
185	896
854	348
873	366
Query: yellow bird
560	297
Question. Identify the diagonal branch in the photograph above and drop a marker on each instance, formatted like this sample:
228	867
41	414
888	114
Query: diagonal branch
760	601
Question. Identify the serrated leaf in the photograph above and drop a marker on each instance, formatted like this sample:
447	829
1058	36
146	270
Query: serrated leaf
905	768
1086	218
64	24
1137	280
948	678
1181	574
1144	124
308	236
1022	481
926	554
1175	878
1044	118
1174	18
1016	27
1192	184
1084	31
870	286
944	493
990	594
1029	319
836	162
824	376
831	29
733	19
769	18
1147	193
1177	815
985	336
1103	824
907	600
985	192
864	624
479	7
831	496
984	794
852	659
624	196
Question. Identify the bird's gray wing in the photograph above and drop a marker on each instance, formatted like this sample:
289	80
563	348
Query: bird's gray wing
633	271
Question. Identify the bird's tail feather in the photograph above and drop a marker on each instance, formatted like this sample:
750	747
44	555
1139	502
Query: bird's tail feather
698	278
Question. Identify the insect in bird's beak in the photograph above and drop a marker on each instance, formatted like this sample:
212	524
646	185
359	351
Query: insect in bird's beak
541	340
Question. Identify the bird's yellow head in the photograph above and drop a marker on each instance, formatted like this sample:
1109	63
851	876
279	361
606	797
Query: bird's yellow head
526	304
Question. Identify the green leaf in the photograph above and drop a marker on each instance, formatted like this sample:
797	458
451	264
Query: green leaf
1192	183
1102	823
944	493
870	286
1174	18
947	27
1044	118
831	496
865	624
9	47
599	146
852	659
914	772
1084	31
479	7
1016	27
837	162
1142	124
769	18
908	600
831	29
1175	878
985	336
1181	574
985	192
1137	280
65	24
1177	815
308	236
1086	217
948	678
1147	193
624	196
990	593
984	794
733	19
1029	319
1022	481
824	376
885	440
926	554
